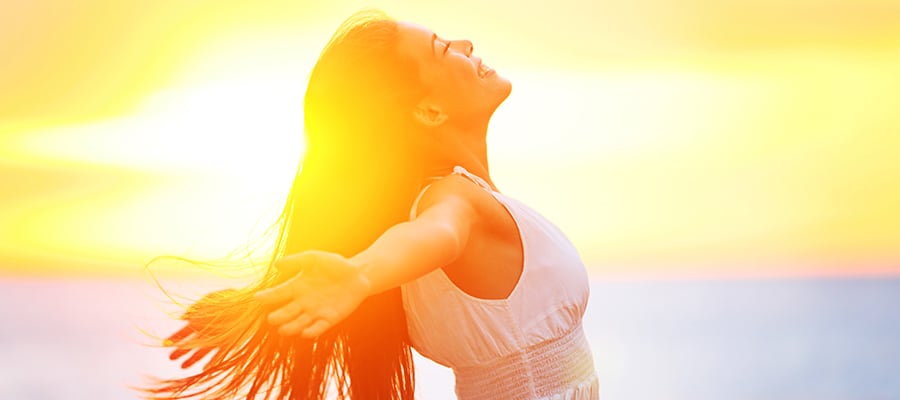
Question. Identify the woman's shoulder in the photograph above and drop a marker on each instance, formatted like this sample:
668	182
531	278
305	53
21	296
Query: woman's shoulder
454	188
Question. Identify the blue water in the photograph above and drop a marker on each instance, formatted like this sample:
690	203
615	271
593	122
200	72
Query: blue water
763	339
701	339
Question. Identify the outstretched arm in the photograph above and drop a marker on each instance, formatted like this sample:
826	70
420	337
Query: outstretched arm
411	249
328	286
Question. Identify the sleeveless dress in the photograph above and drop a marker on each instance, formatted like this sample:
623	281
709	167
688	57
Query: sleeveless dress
527	346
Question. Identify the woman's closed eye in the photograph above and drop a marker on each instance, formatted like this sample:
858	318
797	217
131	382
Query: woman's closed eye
437	42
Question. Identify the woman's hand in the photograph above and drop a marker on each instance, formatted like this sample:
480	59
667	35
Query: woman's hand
325	290
194	338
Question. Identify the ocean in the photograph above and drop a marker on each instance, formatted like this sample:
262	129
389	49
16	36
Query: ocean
754	339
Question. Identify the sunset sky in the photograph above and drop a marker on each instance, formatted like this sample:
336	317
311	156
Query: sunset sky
699	136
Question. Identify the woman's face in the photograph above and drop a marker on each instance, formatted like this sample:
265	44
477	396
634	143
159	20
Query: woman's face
460	85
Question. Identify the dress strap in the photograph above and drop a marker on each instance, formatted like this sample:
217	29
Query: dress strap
474	178
459	170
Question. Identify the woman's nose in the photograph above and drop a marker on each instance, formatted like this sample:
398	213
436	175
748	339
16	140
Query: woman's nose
463	46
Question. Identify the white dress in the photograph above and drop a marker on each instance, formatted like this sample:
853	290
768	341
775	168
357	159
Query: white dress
527	346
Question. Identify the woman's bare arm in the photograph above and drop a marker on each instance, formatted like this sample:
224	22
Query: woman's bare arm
411	249
328	286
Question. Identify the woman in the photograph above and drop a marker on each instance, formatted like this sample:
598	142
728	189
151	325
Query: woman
395	236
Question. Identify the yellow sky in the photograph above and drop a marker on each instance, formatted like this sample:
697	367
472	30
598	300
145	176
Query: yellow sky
664	136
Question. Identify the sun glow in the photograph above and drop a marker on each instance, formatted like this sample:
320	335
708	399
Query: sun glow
664	146
223	165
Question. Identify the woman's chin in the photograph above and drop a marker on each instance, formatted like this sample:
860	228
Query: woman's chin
503	89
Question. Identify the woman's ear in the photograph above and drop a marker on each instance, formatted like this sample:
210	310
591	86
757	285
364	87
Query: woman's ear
429	115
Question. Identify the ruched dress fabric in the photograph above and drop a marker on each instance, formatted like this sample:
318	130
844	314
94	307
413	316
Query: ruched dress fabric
528	346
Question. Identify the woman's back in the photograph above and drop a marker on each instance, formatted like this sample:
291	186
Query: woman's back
529	345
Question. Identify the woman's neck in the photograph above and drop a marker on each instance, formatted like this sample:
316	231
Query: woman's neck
460	147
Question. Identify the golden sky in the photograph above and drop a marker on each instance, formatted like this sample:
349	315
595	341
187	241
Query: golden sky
669	137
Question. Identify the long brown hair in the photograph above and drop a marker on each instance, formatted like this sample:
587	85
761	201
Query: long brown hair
361	171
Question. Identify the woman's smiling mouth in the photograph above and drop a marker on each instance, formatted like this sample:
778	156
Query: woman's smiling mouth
484	70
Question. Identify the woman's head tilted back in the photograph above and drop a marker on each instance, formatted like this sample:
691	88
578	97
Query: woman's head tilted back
380	82
385	102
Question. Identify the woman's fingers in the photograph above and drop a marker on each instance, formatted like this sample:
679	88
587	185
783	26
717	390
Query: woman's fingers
295	326
317	328
285	314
